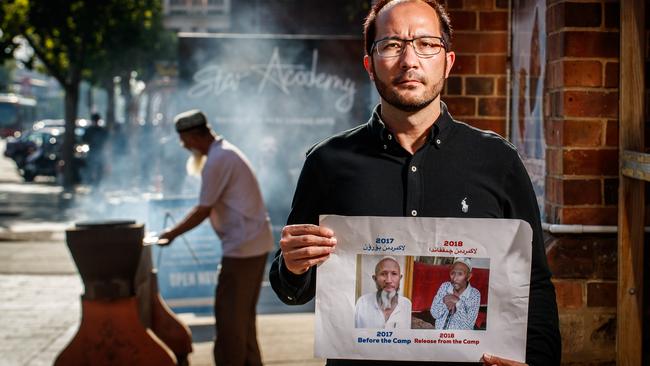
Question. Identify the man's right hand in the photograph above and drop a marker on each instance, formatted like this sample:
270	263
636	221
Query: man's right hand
165	238
304	246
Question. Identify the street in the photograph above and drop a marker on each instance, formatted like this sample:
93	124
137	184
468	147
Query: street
40	289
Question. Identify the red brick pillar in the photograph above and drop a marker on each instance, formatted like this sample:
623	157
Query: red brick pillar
581	131
476	89
581	128
581	112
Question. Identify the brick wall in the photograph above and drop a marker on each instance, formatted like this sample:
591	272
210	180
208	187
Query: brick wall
581	112
476	89
581	130
584	273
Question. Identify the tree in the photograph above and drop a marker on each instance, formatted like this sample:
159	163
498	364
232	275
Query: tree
61	33
138	38
71	37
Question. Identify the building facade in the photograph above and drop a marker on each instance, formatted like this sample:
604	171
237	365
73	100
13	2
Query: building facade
545	75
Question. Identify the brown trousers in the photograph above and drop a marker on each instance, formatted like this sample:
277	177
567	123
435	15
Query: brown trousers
234	308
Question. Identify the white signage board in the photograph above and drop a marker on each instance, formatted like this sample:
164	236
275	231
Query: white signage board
442	311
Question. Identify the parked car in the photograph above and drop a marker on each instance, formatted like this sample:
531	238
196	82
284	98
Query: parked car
18	148
37	152
23	143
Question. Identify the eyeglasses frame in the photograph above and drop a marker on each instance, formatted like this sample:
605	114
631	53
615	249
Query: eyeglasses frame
374	44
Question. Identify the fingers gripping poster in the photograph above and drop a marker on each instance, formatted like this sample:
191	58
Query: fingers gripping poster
424	289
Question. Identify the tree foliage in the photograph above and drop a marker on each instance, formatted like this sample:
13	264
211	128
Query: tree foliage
137	38
77	39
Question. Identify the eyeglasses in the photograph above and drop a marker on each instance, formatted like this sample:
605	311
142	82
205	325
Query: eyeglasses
427	46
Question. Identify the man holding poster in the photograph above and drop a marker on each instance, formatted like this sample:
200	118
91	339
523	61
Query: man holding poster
413	159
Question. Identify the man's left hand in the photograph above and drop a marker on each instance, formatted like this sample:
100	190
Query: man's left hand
450	301
490	360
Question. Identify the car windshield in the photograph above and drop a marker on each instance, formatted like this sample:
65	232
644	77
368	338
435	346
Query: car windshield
8	115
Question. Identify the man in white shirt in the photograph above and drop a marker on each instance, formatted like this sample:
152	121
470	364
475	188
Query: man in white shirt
384	308
456	304
230	196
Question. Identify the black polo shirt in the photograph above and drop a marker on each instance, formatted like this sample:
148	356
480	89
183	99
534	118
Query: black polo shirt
459	172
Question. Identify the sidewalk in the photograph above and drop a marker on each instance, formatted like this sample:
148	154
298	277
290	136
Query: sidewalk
40	289
40	313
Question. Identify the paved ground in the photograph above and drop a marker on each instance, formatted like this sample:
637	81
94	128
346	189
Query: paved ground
40	315
40	288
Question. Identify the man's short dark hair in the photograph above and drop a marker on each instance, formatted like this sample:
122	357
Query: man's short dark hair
370	27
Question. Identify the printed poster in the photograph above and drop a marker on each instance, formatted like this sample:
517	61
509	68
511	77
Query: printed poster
424	289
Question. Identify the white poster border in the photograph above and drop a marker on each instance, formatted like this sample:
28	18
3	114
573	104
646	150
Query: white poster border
507	244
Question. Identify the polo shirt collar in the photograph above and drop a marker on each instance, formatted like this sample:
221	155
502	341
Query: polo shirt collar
218	140
465	293
437	135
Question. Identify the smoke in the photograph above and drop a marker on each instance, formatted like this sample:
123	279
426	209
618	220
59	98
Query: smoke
272	96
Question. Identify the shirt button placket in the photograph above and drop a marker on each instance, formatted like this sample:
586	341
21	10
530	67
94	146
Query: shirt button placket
414	185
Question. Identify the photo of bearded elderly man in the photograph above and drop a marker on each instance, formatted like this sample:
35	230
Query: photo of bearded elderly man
384	306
